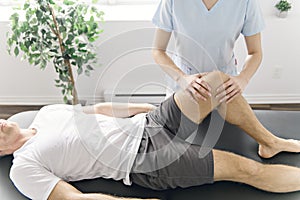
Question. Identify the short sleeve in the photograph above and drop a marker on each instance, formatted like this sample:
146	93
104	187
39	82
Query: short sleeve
163	16
254	21
33	181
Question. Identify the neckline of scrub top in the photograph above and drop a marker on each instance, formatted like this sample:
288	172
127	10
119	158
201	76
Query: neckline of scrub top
212	8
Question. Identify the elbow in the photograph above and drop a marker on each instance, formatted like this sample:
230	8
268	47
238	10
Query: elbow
157	54
257	55
260	57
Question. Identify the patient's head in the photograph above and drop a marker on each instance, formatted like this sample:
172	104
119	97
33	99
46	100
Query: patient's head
10	135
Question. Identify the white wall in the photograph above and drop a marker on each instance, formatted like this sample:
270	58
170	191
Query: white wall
278	81
125	55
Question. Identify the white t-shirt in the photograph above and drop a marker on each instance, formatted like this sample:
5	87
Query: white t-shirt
204	39
71	145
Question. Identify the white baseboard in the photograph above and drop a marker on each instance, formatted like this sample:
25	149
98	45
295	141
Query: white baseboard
273	99
45	100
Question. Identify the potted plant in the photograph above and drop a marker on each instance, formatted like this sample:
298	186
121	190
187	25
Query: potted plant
57	32
283	7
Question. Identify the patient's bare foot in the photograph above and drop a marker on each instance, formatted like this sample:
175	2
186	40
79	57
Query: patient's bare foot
281	145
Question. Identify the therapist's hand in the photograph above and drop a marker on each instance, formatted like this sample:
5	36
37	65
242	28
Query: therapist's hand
233	87
196	87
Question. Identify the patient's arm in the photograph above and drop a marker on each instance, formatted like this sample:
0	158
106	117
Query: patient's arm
118	109
65	191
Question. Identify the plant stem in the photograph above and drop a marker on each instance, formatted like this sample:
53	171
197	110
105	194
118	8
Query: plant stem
66	61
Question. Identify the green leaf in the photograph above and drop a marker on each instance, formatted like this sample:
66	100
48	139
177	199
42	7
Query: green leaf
16	51
94	26
37	61
63	78
62	29
91	39
26	5
43	64
100	14
79	70
33	47
71	37
91	56
31	59
94	10
82	45
71	51
68	2
38	14
43	8
27	44
87	72
92	19
82	50
65	99
14	18
89	67
10	42
61	21
79	62
66	56
59	85
24	27
23	47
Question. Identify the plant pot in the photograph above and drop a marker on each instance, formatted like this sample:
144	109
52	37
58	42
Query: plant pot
281	14
81	102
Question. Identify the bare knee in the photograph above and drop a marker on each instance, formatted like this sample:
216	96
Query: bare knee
247	168
215	79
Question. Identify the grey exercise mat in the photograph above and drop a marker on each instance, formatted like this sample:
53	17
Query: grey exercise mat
282	123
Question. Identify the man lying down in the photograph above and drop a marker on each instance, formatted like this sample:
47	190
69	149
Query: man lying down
66	143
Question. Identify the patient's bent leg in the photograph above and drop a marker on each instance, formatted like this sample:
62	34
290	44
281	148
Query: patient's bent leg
272	178
197	111
237	112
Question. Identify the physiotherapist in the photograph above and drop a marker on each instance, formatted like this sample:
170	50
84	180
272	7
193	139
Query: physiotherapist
205	33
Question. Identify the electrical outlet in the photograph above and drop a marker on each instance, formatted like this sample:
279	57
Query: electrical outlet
277	72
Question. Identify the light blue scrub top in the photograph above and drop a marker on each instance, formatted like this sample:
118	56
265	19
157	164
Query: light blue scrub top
204	39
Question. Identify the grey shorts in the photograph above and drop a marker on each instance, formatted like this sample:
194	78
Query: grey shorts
165	160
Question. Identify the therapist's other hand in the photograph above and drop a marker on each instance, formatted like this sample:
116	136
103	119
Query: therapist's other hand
233	87
196	87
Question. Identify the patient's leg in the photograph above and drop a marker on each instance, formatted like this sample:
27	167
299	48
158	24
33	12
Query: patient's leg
272	178
237	112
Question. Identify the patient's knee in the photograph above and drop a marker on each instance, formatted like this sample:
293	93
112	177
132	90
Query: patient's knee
215	79
249	169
